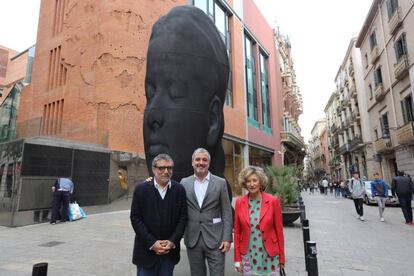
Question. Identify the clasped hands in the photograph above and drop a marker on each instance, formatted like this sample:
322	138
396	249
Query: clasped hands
162	247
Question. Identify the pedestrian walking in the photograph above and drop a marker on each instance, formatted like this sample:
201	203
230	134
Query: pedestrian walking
403	187
379	190
337	188
325	184
158	217
258	227
357	192
62	189
209	228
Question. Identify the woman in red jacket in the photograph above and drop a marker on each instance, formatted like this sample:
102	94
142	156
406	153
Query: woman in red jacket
258	227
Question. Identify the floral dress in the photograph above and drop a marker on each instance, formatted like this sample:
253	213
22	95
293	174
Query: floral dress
256	261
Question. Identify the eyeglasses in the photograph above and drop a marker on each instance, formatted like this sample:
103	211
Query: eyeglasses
162	168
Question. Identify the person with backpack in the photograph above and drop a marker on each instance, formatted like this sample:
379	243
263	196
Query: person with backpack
357	191
379	191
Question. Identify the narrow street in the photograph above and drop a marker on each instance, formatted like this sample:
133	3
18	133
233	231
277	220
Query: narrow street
102	243
348	246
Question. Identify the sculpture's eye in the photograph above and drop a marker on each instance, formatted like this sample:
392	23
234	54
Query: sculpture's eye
149	90
178	90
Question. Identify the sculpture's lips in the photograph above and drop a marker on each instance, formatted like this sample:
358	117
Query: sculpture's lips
154	150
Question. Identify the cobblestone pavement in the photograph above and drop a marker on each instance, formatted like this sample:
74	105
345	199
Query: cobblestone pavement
348	246
102	243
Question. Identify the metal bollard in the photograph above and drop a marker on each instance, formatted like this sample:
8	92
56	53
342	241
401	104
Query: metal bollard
302	213
39	269
306	238
312	258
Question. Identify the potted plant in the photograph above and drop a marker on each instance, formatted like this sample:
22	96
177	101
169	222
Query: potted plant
284	184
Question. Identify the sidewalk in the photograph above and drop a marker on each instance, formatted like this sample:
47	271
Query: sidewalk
101	244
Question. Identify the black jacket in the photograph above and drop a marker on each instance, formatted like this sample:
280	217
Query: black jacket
145	219
402	185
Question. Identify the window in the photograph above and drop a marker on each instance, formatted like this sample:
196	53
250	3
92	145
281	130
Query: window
376	134
372	40
392	6
400	47
1	92
407	109
30	58
385	127
370	91
265	92
250	71
366	60
220	17
377	77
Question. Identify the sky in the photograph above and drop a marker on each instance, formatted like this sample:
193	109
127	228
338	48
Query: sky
18	23
319	32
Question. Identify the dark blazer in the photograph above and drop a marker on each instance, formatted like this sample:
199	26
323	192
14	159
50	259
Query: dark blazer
146	221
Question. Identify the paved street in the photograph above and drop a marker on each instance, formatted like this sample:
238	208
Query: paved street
102	243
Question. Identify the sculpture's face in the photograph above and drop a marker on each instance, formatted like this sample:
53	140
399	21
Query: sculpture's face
176	115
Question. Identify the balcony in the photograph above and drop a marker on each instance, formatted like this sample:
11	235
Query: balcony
290	138
395	21
405	134
356	143
344	148
351	69
352	91
355	116
375	54
379	92
401	67
383	145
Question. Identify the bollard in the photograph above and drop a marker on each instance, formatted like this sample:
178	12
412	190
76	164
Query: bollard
306	238
302	213
312	258
39	269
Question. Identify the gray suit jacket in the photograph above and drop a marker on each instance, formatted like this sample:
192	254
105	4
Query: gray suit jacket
216	204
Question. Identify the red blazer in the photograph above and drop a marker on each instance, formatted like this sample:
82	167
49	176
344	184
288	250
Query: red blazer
271	225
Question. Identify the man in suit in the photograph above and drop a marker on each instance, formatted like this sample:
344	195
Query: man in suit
158	216
208	232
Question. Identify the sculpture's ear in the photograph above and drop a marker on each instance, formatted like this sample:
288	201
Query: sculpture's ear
216	121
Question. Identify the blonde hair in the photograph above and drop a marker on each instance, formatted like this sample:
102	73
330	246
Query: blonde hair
249	171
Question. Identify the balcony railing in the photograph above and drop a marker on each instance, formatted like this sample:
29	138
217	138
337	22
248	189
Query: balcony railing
375	53
395	21
290	138
356	143
351	69
383	145
405	134
379	92
401	67
344	148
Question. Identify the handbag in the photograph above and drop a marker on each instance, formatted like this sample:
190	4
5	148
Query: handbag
282	271
75	212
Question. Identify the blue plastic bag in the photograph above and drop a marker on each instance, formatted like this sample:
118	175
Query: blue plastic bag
75	212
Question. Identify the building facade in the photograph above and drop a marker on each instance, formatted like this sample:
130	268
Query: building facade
89	74
293	146
386	42
317	150
351	143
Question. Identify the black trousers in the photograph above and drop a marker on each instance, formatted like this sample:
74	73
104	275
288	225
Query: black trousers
59	198
405	204
359	206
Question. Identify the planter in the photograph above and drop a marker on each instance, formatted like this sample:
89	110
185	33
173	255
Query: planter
290	216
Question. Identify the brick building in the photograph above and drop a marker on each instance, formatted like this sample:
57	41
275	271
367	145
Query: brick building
89	71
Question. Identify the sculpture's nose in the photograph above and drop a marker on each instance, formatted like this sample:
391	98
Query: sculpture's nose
155	118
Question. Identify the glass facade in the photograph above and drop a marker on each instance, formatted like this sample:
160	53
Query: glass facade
250	71
265	93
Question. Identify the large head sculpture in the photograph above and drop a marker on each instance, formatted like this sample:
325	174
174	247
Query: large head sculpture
185	85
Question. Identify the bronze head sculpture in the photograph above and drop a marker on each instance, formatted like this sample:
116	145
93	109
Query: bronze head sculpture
185	85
